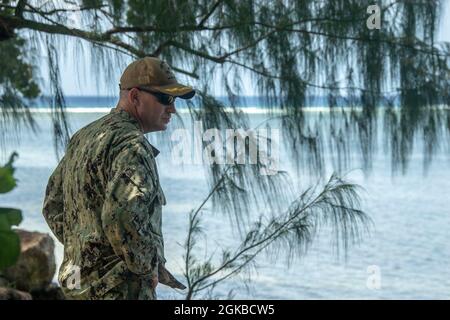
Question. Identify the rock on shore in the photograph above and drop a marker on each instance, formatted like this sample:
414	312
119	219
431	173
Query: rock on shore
34	270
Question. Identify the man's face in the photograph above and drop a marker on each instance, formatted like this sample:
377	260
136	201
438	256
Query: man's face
153	115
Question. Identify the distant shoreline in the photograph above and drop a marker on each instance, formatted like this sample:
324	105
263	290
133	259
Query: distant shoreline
183	110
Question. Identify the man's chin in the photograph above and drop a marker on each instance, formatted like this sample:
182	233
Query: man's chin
164	124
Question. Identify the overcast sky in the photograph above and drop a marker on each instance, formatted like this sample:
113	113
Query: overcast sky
78	78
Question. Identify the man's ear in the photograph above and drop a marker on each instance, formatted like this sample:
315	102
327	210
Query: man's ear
133	96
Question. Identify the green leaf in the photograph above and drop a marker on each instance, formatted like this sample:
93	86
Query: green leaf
9	217
9	240
7	180
10	248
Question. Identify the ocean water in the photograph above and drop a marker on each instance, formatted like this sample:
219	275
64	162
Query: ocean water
408	247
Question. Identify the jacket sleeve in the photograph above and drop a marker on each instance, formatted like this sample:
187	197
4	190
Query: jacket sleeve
127	211
53	207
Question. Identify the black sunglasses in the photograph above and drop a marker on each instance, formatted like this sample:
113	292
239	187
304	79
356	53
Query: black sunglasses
163	98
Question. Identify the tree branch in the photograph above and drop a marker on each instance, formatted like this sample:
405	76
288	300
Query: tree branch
20	7
61	10
211	11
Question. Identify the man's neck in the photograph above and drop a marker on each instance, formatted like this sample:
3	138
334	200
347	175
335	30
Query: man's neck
132	112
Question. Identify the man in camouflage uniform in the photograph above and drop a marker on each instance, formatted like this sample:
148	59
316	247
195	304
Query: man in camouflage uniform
104	199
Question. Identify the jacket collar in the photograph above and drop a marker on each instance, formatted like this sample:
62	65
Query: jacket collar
128	117
155	151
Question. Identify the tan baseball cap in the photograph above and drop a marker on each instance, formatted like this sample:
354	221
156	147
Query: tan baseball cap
156	74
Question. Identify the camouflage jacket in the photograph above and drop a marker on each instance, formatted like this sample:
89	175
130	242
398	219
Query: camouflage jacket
104	203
